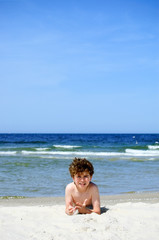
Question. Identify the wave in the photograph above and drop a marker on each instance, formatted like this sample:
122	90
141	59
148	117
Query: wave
46	152
153	147
41	149
74	153
8	153
128	152
142	153
66	146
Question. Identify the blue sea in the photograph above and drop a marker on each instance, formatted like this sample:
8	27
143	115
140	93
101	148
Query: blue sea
33	165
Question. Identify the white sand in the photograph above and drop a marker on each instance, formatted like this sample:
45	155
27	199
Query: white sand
131	217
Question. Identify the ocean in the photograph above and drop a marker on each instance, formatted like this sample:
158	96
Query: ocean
36	165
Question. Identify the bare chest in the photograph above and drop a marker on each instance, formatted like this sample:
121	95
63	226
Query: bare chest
81	197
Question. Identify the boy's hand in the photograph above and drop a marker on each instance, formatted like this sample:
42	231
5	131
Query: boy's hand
82	207
71	210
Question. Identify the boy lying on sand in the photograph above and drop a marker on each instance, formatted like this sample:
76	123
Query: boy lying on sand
82	193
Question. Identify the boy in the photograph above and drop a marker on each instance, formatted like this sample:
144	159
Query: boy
81	192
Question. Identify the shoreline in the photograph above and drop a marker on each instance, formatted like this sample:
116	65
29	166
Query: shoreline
145	197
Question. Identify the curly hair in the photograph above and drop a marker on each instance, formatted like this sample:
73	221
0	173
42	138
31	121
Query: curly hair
81	165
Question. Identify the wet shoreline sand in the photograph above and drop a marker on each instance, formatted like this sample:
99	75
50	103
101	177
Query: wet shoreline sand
146	197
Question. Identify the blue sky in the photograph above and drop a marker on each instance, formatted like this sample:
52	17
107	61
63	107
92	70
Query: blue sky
79	66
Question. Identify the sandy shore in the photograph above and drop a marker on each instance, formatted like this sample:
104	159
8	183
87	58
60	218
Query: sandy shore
124	217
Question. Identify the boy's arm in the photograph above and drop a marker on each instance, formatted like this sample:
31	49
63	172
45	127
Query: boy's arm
69	201
96	200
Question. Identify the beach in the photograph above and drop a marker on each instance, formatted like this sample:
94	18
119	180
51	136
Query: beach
34	171
133	216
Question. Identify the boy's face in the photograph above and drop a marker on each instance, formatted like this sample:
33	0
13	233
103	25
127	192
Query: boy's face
82	180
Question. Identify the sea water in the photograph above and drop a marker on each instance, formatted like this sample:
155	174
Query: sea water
33	165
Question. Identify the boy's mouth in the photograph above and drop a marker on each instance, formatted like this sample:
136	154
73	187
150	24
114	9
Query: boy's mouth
82	184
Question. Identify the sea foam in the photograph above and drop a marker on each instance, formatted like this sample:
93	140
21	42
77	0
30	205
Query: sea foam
141	153
128	152
153	147
2	153
66	146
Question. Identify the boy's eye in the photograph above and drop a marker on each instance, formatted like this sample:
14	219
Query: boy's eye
85	176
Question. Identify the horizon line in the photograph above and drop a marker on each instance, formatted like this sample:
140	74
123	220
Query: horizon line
78	133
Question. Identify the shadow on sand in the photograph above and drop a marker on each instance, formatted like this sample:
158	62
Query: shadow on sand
104	210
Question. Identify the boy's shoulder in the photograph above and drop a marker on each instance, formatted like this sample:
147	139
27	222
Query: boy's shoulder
93	185
70	186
